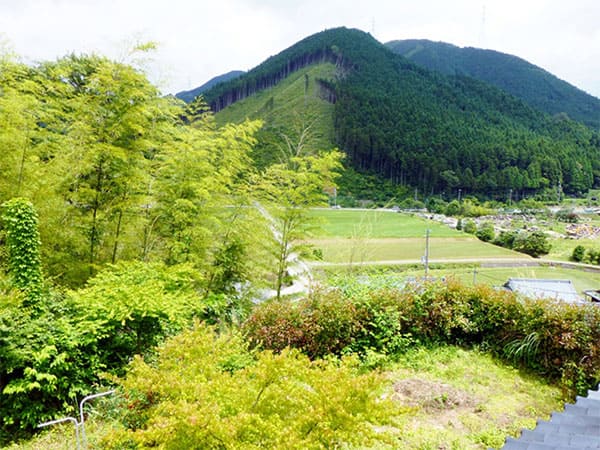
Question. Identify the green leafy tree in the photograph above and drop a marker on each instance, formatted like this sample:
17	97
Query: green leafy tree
290	188
23	243
535	244
578	254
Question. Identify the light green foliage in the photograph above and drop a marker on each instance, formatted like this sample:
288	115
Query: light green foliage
207	392
130	307
289	188
47	361
20	223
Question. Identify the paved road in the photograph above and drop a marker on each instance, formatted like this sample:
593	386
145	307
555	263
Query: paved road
482	262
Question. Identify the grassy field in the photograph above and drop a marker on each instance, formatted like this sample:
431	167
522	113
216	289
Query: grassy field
453	399
360	250
353	238
465	399
357	223
357	236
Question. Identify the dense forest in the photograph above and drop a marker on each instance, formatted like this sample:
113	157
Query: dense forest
530	83
430	131
161	212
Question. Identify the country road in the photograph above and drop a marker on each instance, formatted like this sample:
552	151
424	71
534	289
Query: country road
482	262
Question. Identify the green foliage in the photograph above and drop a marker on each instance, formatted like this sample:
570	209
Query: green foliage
23	243
578	254
320	325
470	227
131	307
289	188
546	336
48	361
567	215
485	232
506	239
534	244
194	397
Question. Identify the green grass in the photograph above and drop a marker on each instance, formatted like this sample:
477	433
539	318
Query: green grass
359	250
346	223
465	399
356	236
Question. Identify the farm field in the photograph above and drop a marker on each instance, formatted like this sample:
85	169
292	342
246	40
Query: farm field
384	242
357	236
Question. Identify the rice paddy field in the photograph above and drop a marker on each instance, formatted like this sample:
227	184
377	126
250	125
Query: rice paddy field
392	244
350	236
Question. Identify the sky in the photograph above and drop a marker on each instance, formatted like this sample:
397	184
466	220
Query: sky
200	39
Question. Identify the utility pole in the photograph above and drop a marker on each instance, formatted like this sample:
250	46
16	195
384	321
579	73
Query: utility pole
427	254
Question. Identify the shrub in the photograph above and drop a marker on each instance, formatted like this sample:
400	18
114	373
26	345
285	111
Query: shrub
534	244
567	215
188	400
469	226
578	254
505	239
485	232
549	337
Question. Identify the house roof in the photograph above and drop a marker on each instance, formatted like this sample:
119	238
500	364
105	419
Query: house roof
577	427
562	290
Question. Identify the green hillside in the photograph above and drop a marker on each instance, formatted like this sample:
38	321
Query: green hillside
415	127
293	109
531	83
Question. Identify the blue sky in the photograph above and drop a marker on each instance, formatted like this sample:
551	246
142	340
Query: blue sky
199	39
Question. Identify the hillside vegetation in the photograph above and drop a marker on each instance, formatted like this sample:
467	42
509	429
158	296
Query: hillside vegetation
530	83
424	129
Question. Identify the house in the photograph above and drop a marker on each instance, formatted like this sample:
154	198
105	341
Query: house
592	294
561	290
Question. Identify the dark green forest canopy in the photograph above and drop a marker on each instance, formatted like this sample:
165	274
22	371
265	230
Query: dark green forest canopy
430	131
524	80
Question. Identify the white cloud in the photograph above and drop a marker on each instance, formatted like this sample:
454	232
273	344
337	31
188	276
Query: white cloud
202	39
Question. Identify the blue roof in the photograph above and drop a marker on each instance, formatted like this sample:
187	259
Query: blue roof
561	290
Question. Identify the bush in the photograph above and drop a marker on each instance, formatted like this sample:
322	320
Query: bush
486	232
469	226
505	239
534	244
323	324
191	399
548	337
578	254
567	215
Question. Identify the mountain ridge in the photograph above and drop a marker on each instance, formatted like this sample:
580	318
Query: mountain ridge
188	96
422	129
533	84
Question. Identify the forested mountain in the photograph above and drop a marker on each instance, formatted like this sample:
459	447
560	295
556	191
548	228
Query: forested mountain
531	83
188	96
423	129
